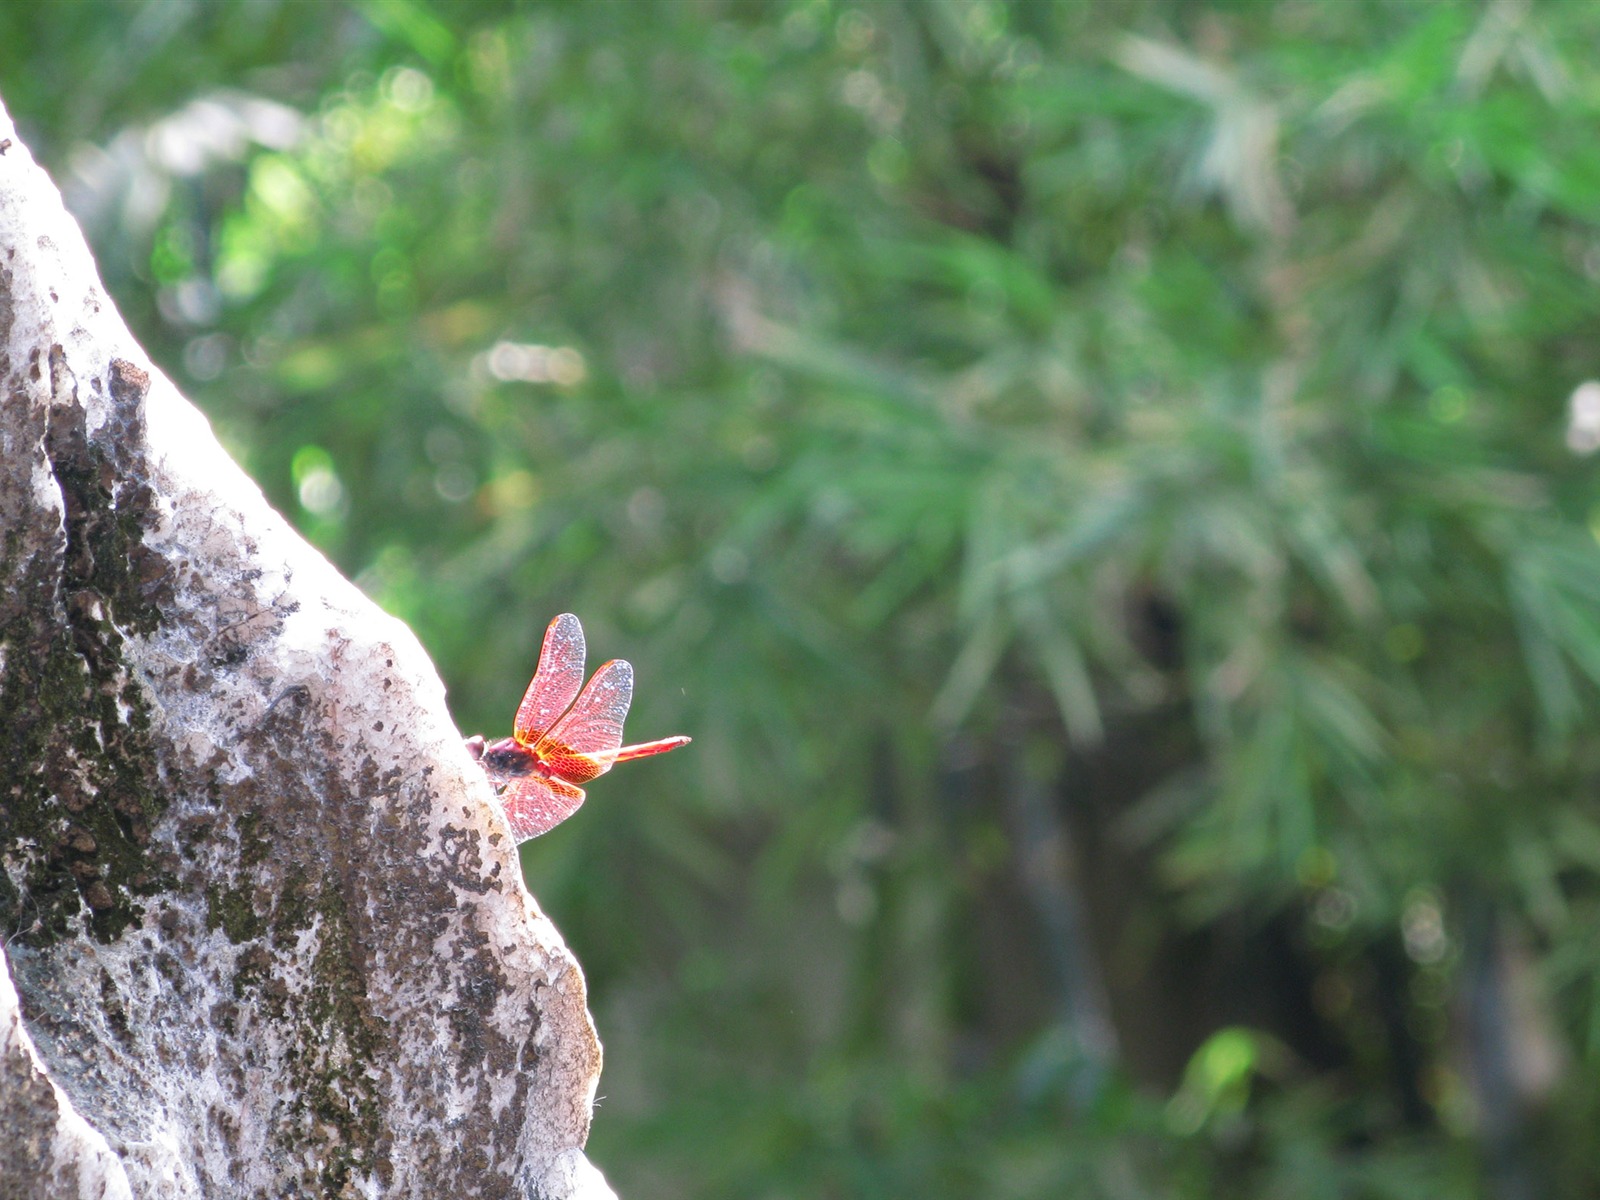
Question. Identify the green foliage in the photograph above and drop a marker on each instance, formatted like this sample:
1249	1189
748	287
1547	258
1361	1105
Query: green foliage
1161	406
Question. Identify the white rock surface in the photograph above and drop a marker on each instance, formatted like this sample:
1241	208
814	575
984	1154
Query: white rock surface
267	930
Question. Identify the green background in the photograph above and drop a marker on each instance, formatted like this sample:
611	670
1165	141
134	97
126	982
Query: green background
1097	481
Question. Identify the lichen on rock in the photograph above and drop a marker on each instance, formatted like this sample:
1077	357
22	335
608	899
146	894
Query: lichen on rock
267	930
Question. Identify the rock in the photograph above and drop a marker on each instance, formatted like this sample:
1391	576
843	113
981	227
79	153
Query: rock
266	924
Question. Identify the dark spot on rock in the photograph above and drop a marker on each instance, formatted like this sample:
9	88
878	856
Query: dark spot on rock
232	912
170	968
232	656
98	896
528	1052
111	1004
129	382
80	839
224	1015
148	567
251	972
466	869
84	604
224	1128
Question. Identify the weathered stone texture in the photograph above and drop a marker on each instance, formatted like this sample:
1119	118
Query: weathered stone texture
267	932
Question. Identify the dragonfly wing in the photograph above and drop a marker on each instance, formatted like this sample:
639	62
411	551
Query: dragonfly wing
536	805
555	682
584	743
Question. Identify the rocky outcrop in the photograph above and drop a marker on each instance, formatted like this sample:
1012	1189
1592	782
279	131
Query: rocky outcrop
265	931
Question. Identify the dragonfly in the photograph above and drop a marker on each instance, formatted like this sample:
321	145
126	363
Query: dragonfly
562	737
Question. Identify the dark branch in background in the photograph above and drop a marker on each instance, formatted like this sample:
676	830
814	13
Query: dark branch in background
1046	863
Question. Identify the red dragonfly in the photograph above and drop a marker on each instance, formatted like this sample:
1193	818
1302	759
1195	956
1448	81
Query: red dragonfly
562	737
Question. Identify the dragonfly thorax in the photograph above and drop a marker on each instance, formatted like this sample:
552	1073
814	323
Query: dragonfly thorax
509	759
